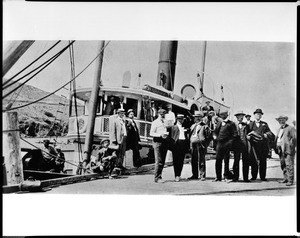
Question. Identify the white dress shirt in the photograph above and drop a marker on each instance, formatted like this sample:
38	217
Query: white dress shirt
158	127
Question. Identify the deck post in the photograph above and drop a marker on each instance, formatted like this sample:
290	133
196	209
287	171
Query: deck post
11	148
93	107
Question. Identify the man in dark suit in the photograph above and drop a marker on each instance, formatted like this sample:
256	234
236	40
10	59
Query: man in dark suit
248	119
241	148
179	136
121	104
285	147
110	106
207	108
224	134
133	138
260	146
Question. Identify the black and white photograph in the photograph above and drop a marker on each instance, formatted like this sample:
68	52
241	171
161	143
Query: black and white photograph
149	118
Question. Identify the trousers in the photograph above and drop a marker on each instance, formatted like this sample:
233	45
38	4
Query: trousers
178	156
259	165
198	161
287	167
222	153
240	150
160	151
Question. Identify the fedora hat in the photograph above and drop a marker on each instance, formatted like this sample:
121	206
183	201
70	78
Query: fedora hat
120	110
240	113
248	115
282	117
258	111
104	141
130	110
180	116
223	112
198	114
161	110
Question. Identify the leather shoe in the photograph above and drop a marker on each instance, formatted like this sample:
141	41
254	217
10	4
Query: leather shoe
177	179
217	180
253	179
202	179
247	181
283	181
263	179
289	184
192	178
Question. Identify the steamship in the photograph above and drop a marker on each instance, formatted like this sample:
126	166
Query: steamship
139	99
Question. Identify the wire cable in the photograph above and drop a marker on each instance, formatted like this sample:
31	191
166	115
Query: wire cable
47	63
6	82
10	109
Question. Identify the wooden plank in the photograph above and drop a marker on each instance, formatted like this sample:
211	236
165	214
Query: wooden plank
71	179
43	175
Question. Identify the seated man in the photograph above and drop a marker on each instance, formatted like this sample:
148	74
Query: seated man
106	160
49	155
59	161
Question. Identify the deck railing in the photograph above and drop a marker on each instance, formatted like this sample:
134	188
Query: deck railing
102	126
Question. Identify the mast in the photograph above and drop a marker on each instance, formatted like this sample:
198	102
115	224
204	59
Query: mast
167	64
13	52
93	106
203	66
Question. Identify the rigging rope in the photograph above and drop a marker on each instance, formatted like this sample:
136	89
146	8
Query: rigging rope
72	61
40	99
47	64
5	83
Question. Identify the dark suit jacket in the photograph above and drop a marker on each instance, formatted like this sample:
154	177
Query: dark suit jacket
233	134
175	133
288	140
109	108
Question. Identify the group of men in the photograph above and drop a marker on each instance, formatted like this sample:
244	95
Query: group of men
250	141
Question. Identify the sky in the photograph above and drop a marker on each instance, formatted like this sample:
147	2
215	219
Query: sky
254	74
250	49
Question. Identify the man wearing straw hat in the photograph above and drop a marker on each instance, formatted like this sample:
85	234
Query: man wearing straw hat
241	148
159	133
179	135
225	134
259	136
117	135
285	144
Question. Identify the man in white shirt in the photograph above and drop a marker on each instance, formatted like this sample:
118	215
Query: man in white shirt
170	116
159	133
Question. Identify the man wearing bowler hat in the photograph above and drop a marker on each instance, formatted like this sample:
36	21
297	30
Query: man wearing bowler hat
207	108
240	148
224	134
198	143
285	144
159	133
259	136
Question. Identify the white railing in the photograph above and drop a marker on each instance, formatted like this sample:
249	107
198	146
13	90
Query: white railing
102	126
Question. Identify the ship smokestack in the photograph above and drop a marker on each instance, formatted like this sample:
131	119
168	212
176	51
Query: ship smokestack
167	64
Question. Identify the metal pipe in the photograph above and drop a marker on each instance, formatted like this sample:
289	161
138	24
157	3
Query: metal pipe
167	64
